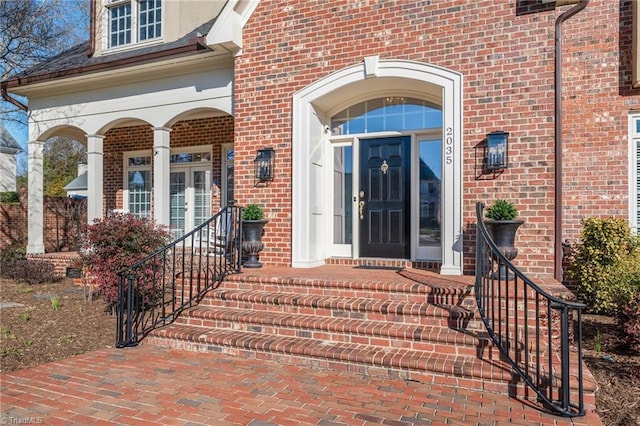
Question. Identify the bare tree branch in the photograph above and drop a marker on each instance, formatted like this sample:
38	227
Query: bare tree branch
32	31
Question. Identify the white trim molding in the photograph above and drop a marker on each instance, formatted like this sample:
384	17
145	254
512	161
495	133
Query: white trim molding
312	160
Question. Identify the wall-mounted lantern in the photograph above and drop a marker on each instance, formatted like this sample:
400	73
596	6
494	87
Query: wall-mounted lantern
263	165
497	151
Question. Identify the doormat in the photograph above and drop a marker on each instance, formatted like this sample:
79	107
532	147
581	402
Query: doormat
382	268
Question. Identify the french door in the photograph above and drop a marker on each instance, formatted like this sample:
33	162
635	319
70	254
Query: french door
189	198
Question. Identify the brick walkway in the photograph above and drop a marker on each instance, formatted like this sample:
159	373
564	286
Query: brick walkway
149	385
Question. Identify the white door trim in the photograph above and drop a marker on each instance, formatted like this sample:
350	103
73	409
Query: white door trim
312	160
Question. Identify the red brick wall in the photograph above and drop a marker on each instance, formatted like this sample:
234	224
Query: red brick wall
507	61
13	224
206	131
64	222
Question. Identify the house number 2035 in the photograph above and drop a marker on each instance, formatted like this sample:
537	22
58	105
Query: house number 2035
448	145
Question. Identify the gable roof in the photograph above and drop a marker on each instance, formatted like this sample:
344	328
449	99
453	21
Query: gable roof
76	61
8	144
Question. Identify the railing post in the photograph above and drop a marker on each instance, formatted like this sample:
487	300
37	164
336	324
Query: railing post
129	301
120	313
564	333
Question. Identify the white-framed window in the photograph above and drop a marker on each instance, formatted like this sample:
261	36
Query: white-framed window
138	178
634	172
133	21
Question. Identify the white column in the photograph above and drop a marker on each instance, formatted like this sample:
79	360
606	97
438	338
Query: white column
452	178
95	177
35	233
161	170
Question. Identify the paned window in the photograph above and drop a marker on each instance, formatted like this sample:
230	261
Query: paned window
120	28
139	176
150	19
133	21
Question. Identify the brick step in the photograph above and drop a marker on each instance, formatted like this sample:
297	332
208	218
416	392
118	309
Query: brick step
422	366
422	328
387	334
411	288
349	307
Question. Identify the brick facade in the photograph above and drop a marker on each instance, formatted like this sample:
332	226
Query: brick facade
505	53
506	56
206	131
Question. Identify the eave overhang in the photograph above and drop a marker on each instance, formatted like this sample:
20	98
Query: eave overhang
196	50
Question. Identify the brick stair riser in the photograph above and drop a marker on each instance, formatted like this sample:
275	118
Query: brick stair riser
456	344
430	315
445	374
414	294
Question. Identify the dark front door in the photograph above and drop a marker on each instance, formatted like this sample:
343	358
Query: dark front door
383	199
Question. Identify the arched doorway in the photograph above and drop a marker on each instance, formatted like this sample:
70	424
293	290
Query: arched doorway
377	165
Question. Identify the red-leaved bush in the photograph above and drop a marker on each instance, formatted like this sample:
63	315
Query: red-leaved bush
629	321
116	242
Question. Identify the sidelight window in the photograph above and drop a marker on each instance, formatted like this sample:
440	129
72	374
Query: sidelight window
634	174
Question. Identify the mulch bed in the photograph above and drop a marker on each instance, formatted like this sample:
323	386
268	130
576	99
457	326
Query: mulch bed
36	332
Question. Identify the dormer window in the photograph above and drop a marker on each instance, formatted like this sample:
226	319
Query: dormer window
133	21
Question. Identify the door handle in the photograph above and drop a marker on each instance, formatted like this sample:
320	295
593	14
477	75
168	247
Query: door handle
361	205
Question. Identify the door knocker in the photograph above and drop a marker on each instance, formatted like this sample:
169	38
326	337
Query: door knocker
384	167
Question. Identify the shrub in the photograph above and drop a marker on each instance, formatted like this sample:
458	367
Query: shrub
501	210
9	197
252	212
116	242
30	271
604	264
14	265
12	254
628	317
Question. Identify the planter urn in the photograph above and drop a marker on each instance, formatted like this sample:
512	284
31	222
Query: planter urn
503	234
252	241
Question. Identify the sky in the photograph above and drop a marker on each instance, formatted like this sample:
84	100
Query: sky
20	132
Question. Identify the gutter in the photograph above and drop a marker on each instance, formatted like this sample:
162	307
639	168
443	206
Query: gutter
558	216
195	44
10	99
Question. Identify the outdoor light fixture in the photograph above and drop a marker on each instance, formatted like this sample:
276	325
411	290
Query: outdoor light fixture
497	151
263	165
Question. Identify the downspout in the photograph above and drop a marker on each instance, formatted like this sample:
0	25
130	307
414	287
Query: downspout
10	99
558	132
92	27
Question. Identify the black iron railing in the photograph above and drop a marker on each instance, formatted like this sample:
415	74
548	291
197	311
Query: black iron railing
532	329
153	291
